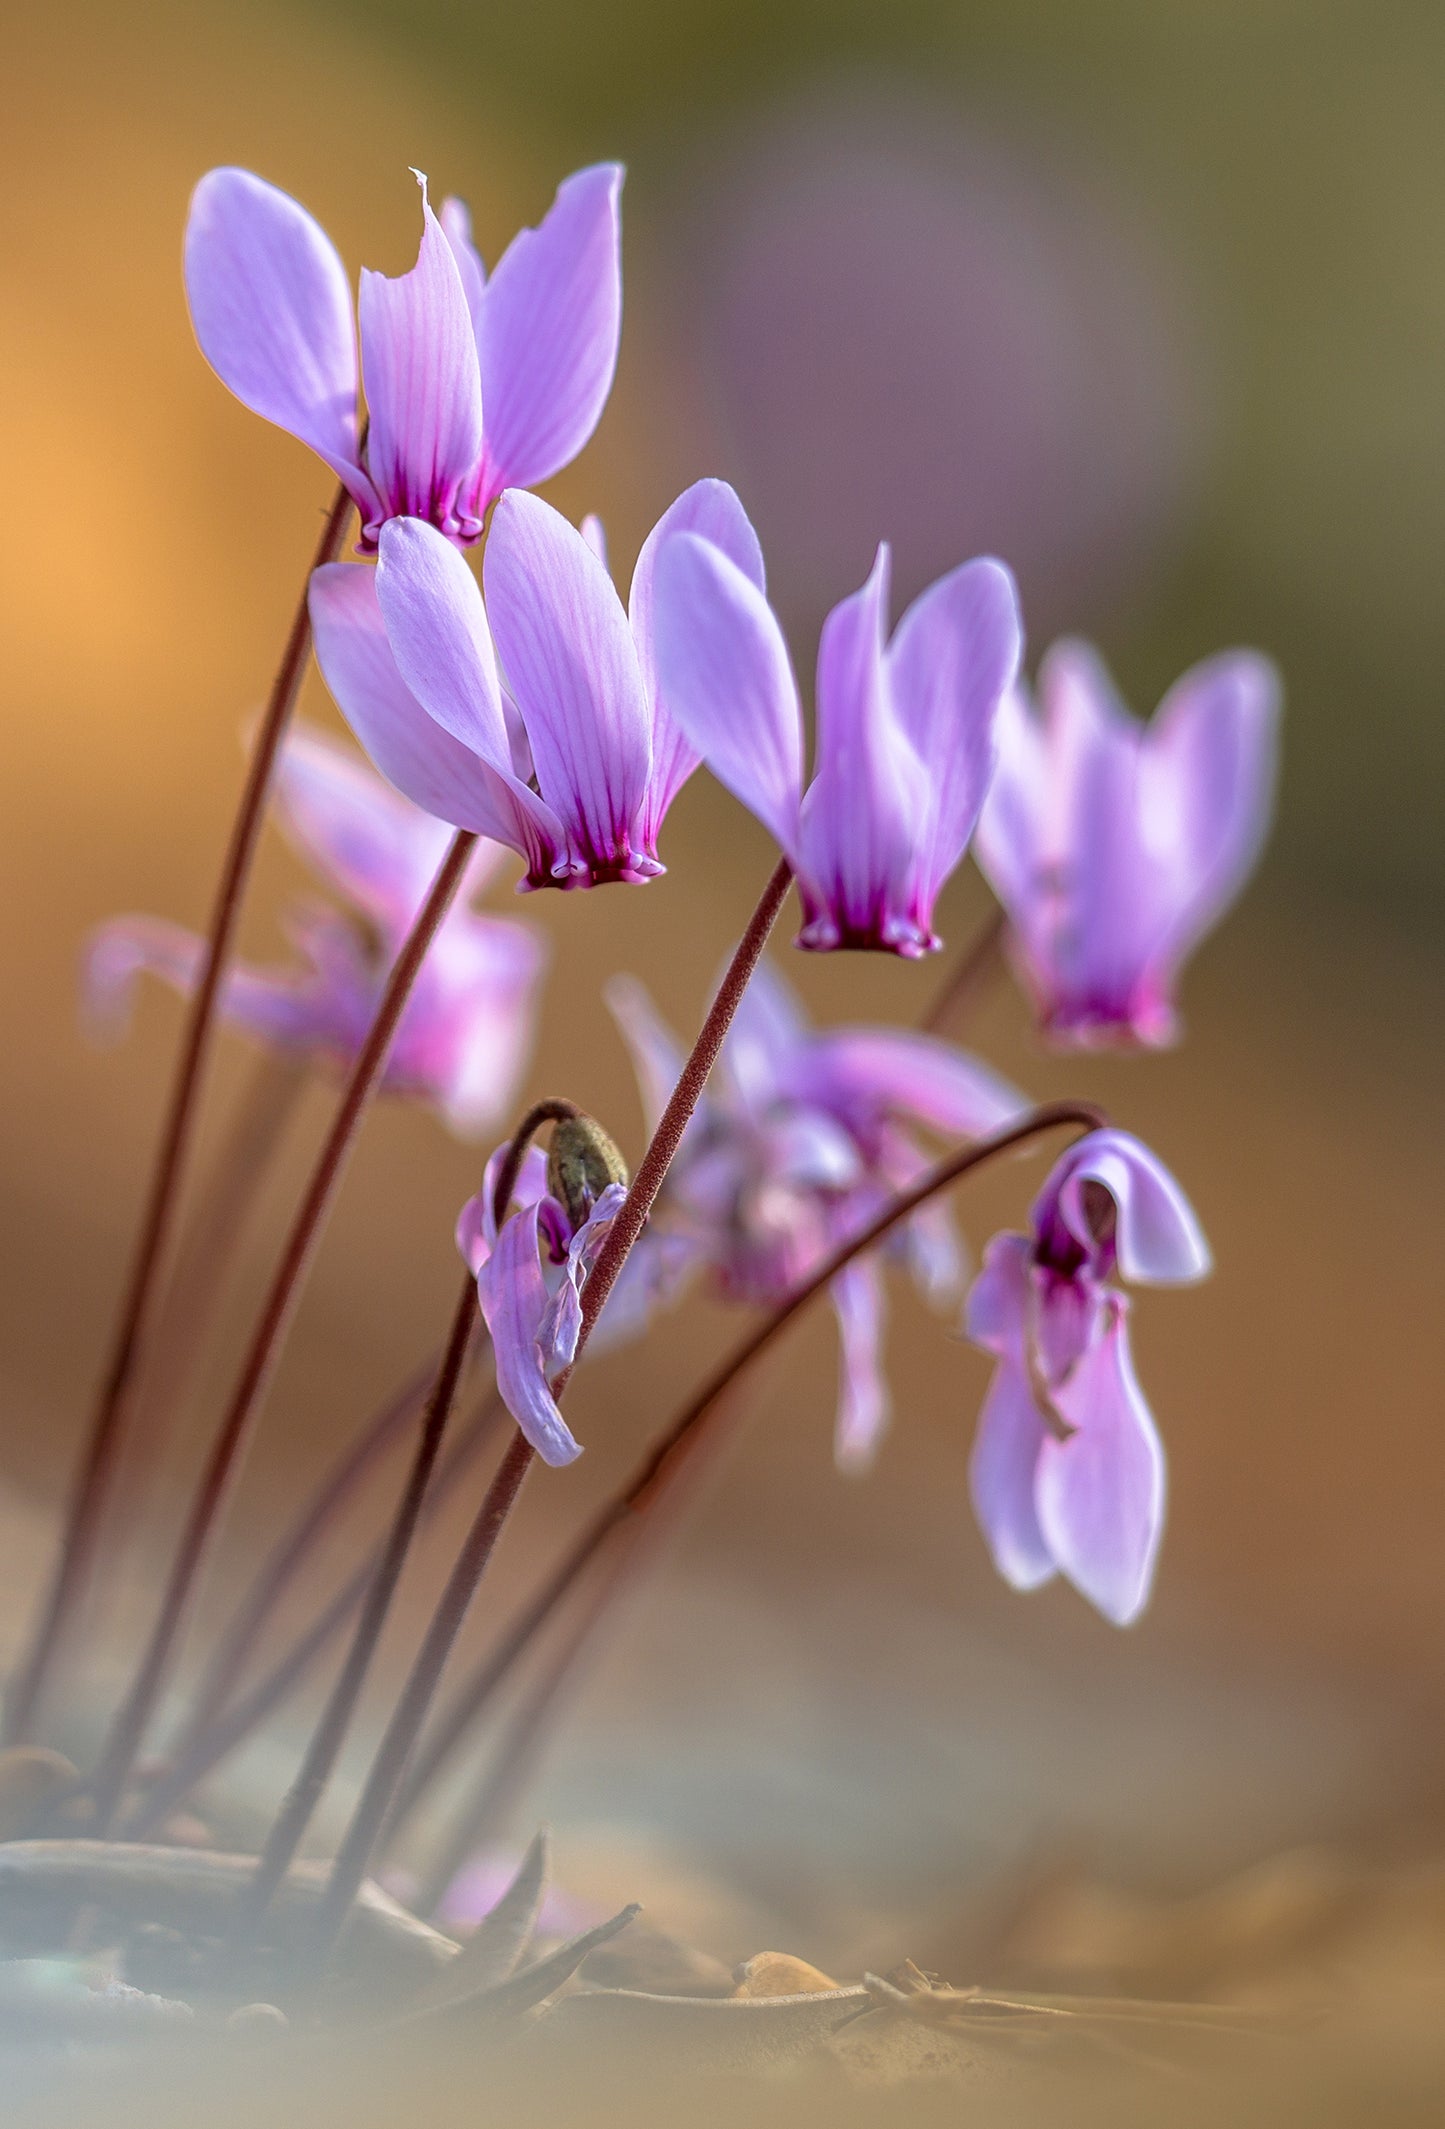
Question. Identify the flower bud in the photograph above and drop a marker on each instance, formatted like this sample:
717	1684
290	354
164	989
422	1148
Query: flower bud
581	1161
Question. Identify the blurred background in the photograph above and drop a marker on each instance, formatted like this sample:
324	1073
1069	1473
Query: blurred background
1151	301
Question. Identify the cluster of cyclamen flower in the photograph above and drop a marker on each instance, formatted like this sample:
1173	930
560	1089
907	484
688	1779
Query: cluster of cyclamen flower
535	711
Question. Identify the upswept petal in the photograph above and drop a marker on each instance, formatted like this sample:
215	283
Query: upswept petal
476	1231
1002	1472
514	1299
1157	1237
657	1056
469	1026
764	1059
1100	1494
271	308
407	745
912	1075
723	669
1016	842
709	508
567	651
279	1007
1207	784
423	389
456	220
858	826
954	656
381	851
863	1400
437	627
549	330
594	532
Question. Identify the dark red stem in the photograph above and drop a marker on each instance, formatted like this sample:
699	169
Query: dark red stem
108	1429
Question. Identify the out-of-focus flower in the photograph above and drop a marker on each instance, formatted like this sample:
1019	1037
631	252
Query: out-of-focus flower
481	1883
576	761
1068	1470
467	1029
904	730
1115	846
535	347
530	1272
802	1137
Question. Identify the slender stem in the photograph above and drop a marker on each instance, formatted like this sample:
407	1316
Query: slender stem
329	1736
205	1255
678	1440
237	1720
966	984
96	1477
223	1466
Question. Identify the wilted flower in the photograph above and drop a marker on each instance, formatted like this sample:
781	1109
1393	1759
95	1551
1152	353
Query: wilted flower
802	1137
904	730
575	763
1068	1470
467	1028
530	1272
1115	846
472	386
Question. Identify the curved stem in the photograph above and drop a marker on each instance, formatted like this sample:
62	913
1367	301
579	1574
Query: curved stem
322	1753
676	1442
223	1466
108	1429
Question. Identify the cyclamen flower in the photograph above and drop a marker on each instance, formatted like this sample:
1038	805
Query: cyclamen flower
575	764
1114	846
802	1137
467	1028
472	386
1067	1472
530	1275
904	731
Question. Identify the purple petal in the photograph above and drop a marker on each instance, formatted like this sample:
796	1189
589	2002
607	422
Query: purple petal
765	1055
657	1056
863	1400
912	1075
455	218
1207	788
1101	1492
271	308
1016	839
564	641
724	671
277	1007
437	627
996	1314
423	390
379	850
953	657
469	1024
549	330
1002	1475
710	509
594	532
1158	1239
562	1320
476	1231
514	1298
858	834
409	747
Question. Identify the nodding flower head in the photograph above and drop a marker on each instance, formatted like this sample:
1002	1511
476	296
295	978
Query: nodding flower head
800	1140
472	385
467	1028
531	1268
538	718
904	731
1115	846
1068	1470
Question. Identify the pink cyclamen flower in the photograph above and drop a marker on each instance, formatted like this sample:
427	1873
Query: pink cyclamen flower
575	760
467	1029
802	1137
1115	846
1067	1472
472	385
904	730
530	1274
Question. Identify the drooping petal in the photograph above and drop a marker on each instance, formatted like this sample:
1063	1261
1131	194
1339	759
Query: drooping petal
271	308
562	1321
456	220
723	669
657	1056
423	390
997	1310
863	1399
476	1231
1207	785
1101	1493
953	657
408	746
281	1008
564	642
381	851
1002	1476
549	329
709	508
514	1298
859	825
1157	1237
914	1075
